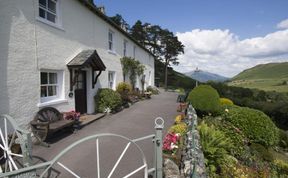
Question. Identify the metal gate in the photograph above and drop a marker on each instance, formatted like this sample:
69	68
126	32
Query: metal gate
9	167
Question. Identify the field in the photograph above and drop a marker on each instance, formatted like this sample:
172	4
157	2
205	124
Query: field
278	85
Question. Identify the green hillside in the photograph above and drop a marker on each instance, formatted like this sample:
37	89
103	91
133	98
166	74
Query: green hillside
269	77
264	71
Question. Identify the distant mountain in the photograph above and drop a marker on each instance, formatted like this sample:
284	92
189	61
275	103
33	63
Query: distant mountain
264	71
203	76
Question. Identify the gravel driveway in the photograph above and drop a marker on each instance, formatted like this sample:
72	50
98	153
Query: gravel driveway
136	121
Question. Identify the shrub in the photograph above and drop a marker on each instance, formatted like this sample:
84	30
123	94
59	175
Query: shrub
283	139
180	128
107	98
123	87
180	90
225	101
236	136
215	146
262	152
281	167
205	99
256	126
153	90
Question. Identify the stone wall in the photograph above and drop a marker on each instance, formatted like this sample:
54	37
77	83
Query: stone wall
192	159
192	155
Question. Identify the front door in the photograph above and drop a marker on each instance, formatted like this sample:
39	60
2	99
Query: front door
80	92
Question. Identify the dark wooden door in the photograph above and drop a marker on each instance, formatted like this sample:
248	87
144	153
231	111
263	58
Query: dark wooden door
80	92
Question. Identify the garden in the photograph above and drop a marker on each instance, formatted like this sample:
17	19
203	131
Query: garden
236	141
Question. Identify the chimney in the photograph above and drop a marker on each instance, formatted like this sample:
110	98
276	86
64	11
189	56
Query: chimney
101	9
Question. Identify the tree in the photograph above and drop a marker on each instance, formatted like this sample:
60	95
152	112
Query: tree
161	42
172	47
118	19
138	32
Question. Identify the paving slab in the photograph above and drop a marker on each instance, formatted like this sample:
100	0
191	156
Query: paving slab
133	122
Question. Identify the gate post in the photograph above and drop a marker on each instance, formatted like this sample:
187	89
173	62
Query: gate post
159	125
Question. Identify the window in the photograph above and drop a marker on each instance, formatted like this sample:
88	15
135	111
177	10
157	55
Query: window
134	52
50	85
110	40
111	80
125	47
48	10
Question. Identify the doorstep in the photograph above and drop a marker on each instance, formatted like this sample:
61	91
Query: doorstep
89	118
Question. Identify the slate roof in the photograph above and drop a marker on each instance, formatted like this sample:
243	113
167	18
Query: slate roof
87	58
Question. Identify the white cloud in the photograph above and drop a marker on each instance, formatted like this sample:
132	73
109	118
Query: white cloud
283	24
220	51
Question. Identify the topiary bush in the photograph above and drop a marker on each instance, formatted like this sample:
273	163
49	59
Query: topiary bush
107	99
205	99
225	102
255	125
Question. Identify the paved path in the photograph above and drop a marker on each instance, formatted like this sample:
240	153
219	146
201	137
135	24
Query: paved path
134	122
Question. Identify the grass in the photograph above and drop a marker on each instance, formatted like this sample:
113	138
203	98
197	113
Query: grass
262	84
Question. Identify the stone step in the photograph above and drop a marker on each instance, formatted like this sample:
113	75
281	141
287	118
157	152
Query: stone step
89	118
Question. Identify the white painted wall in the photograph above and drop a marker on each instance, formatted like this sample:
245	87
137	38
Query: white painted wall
28	46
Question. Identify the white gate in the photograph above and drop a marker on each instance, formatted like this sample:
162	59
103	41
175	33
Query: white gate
8	168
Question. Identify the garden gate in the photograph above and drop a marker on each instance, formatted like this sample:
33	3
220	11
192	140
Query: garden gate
20	164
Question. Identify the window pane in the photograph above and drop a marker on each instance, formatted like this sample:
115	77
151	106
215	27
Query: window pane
51	6
52	91
44	79
41	13
52	78
42	3
110	45
110	36
51	17
43	91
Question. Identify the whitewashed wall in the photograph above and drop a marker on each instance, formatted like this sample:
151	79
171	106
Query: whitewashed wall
28	45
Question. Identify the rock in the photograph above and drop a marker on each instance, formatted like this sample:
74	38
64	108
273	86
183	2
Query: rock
171	169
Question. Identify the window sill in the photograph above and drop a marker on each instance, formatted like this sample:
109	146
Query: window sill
112	52
54	25
52	102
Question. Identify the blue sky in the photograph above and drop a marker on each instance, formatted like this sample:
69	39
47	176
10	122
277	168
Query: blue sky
238	22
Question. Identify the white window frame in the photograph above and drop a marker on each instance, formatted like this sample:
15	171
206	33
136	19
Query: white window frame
111	40
59	86
125	44
149	78
134	52
112	80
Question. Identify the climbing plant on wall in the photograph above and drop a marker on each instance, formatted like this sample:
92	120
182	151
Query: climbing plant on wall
132	68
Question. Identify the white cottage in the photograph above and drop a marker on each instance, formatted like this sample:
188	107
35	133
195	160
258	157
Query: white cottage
53	51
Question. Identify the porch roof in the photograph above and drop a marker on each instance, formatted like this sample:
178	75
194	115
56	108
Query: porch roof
87	58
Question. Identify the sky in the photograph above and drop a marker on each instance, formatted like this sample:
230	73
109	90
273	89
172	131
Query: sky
223	37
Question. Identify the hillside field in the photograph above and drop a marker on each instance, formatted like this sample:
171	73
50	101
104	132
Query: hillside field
263	84
268	77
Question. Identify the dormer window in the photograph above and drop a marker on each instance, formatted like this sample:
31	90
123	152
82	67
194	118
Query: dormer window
48	10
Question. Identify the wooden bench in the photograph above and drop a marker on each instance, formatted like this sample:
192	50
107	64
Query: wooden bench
48	121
